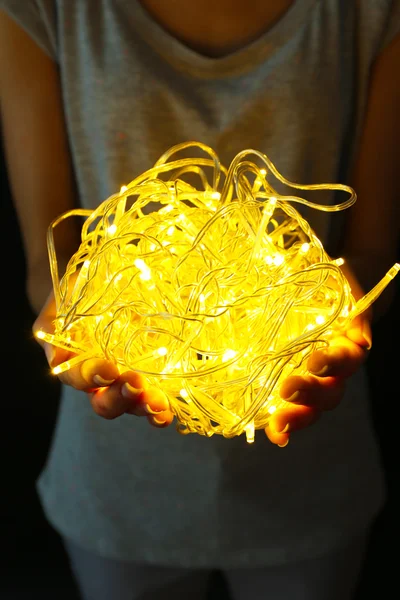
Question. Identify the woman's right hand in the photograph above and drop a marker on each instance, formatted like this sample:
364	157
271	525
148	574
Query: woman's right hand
111	394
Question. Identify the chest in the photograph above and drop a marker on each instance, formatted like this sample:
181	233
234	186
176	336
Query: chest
216	28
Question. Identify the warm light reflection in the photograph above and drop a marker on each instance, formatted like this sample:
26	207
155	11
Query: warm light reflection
216	297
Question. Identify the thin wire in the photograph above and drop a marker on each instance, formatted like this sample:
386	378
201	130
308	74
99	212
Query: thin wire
216	297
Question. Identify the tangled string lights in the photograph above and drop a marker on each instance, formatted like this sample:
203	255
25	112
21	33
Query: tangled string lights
216	297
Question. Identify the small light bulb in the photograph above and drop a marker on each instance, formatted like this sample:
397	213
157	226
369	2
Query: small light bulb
339	262
40	334
123	189
320	320
183	393
271	410
162	351
228	355
278	260
112	229
305	248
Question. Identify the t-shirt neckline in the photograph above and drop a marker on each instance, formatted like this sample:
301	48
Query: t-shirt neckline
236	63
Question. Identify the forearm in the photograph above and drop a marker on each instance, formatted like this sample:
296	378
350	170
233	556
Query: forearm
372	233
37	153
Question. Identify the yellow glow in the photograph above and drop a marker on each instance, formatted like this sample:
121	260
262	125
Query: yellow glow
339	262
228	355
112	229
241	291
40	334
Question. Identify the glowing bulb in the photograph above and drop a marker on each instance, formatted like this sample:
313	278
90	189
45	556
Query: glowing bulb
278	260
123	189
339	262
166	209
226	359
228	355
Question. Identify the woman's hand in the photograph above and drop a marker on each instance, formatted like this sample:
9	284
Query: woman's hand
111	394
323	388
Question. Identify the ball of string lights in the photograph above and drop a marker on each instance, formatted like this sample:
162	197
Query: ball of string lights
216	297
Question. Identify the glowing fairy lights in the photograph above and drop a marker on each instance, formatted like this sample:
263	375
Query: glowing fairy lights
216	297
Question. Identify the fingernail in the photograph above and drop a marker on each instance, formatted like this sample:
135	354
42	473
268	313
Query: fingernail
319	361
50	352
366	333
284	430
100	381
320	371
151	411
128	391
158	421
293	397
284	445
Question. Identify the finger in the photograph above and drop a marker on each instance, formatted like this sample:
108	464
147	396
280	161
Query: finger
145	401
341	359
293	418
45	322
279	439
162	420
360	332
91	373
113	401
324	393
55	356
130	395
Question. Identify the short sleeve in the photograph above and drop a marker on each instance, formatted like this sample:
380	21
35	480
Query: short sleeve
38	18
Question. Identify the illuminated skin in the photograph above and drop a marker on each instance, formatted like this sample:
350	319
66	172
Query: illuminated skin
372	234
112	395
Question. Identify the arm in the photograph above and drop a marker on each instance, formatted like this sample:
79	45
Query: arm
370	247
37	153
42	183
372	236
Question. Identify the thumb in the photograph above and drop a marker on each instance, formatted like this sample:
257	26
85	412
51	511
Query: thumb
359	331
45	323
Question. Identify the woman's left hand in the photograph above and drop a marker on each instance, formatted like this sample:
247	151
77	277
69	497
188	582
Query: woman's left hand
323	388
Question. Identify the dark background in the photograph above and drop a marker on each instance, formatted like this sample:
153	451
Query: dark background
34	564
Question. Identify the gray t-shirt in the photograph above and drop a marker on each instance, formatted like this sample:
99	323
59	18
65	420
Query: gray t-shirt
129	491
